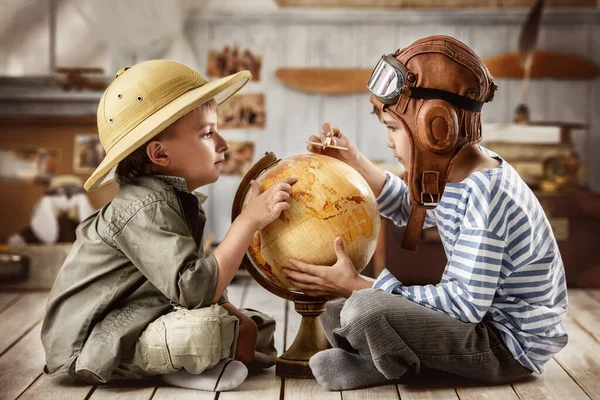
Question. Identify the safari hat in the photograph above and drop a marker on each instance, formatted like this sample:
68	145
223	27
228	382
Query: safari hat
145	99
64	181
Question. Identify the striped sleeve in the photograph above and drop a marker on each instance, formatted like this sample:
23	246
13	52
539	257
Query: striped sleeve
470	279
395	204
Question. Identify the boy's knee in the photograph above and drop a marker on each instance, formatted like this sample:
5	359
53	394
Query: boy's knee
247	337
261	320
363	307
248	328
175	338
330	318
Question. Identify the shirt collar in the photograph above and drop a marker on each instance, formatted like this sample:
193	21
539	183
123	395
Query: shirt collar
175	181
180	184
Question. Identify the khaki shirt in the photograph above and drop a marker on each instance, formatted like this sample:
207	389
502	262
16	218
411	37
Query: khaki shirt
132	261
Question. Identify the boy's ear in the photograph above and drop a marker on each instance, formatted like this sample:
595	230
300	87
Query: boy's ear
157	154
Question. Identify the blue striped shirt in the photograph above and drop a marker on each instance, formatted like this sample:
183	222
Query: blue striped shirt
503	264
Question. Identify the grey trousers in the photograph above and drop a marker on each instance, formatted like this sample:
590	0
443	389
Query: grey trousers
402	337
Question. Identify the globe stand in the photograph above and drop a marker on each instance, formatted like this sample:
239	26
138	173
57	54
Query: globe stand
309	340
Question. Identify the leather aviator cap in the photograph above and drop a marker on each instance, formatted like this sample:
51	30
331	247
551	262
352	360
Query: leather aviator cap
438	129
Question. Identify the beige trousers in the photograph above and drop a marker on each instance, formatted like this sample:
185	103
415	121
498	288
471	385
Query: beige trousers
196	340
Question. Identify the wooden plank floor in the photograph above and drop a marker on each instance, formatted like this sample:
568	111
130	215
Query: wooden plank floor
573	374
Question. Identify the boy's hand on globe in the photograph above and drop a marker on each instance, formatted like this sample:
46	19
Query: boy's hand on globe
337	139
265	208
340	279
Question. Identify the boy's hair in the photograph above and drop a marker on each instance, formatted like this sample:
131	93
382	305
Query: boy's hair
377	113
138	163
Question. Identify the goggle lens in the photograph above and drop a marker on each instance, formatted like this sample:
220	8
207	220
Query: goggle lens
386	81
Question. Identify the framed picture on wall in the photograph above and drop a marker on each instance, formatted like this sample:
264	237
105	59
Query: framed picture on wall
28	164
232	59
242	111
238	158
87	153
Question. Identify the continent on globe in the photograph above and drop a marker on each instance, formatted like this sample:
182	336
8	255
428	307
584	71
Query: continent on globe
329	199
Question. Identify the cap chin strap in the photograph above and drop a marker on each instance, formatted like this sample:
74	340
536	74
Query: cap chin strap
412	232
430	197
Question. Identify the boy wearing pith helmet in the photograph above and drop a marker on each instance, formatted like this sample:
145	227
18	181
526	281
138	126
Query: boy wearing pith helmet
137	297
496	314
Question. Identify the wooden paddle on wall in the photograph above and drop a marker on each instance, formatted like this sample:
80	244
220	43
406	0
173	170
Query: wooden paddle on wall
325	80
544	65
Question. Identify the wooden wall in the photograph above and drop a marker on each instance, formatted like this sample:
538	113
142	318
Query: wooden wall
349	38
433	3
305	37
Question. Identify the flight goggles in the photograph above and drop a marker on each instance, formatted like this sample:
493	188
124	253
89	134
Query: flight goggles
388	82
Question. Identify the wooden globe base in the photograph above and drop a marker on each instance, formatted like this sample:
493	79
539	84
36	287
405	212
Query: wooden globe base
310	339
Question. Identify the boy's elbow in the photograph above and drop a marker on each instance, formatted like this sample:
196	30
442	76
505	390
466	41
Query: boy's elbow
192	299
471	317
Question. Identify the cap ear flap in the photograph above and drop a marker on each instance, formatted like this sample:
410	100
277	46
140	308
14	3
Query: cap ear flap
437	126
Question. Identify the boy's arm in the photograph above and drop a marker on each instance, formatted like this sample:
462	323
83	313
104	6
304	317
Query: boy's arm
261	210
470	279
395	204
230	252
157	241
374	176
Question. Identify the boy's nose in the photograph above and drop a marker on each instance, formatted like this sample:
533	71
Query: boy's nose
390	143
222	144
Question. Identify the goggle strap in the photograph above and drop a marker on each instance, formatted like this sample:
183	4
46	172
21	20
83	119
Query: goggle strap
404	95
452	98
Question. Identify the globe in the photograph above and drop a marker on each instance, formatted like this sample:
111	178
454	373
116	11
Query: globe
329	199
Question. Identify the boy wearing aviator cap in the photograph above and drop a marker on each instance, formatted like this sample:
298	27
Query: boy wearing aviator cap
496	315
137	297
